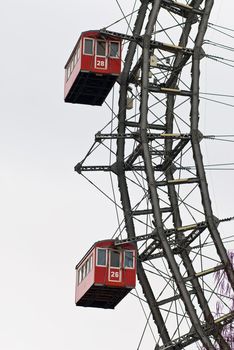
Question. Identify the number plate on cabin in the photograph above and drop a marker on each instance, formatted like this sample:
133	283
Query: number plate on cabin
100	63
114	275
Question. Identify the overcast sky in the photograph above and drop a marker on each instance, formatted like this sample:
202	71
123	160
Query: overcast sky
49	215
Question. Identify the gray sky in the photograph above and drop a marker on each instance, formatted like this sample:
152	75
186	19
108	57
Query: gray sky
49	215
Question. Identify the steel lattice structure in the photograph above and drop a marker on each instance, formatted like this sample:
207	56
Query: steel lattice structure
166	204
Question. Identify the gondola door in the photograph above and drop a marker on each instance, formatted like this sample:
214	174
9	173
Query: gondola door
101	55
114	266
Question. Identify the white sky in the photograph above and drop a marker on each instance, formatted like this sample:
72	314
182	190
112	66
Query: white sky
49	215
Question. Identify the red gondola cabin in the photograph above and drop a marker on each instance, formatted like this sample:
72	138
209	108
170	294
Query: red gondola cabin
92	69
105	275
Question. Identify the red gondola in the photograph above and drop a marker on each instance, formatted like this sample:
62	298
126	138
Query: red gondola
92	68
106	274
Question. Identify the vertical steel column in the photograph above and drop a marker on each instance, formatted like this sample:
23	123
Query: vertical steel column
152	186
196	147
172	194
123	188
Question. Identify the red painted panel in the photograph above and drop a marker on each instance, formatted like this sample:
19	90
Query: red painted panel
69	83
105	278
101	63
91	63
115	275
83	286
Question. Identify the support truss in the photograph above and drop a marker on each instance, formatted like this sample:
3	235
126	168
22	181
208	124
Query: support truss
153	145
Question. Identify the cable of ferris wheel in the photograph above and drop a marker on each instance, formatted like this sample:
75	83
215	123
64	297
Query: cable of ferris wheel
217	294
220	60
125	17
141	300
206	256
171	27
213	94
167	276
168	281
165	31
210	244
220	31
219	102
172	283
211	25
225	238
122	18
100	190
220	136
221	46
135	11
219	139
222	27
213	292
207	167
143	333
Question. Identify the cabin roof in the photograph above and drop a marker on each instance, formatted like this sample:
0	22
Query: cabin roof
81	35
87	32
97	244
92	247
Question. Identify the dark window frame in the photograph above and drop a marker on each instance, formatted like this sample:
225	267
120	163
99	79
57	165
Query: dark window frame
68	69
112	252
79	276
96	51
97	257
133	260
84	47
77	53
118	52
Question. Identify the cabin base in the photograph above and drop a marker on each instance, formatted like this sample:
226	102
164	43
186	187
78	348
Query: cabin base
103	297
90	88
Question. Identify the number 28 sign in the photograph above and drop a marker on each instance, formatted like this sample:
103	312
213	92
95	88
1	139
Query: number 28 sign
100	62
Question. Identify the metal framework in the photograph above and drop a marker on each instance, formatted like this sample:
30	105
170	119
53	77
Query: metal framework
166	206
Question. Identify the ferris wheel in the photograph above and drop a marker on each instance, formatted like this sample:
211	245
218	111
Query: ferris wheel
153	147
